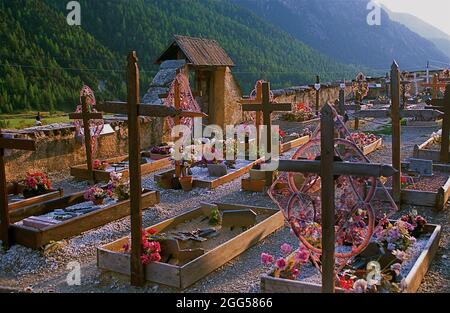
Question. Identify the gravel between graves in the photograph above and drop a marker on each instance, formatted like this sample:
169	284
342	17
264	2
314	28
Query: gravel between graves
45	271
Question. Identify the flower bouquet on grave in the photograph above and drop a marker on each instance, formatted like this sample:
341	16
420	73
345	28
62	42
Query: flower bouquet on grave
100	165
150	246
119	187
188	159
362	139
301	113
160	152
289	264
96	194
36	184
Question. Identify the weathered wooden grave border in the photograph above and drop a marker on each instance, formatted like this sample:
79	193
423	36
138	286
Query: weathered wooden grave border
270	284
36	238
111	257
16	188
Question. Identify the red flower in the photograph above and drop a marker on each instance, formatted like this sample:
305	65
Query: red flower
145	259
155	257
347	284
151	231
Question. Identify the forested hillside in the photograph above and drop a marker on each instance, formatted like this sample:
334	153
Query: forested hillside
44	60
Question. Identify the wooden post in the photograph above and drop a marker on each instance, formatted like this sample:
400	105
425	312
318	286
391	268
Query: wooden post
396	131
6	143
87	139
446	127
342	101
266	107
357	108
86	116
137	269
327	194
177	103
317	95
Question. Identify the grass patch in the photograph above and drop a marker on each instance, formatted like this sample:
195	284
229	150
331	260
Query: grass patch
24	120
385	130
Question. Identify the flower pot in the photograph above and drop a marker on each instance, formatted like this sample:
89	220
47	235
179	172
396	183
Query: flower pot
186	182
217	170
98	201
156	156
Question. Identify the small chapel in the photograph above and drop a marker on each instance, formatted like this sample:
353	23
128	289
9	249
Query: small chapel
208	68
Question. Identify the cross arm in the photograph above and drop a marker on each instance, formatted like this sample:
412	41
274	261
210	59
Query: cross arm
339	168
17	144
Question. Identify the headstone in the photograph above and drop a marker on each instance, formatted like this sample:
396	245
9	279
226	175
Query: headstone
39	222
238	218
422	167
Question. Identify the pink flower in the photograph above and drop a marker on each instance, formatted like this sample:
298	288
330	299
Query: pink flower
145	259
266	259
281	264
302	256
126	247
155	257
396	267
286	248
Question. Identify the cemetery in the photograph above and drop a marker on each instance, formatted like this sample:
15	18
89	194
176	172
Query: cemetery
347	209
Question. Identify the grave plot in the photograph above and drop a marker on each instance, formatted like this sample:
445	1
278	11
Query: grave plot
195	243
309	281
36	225
289	141
368	143
345	237
300	119
102	169
430	149
421	185
258	179
19	197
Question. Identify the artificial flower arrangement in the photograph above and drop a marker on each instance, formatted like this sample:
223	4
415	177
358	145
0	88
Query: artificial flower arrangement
362	139
119	187
97	194
289	264
150	246
35	184
301	113
100	165
376	269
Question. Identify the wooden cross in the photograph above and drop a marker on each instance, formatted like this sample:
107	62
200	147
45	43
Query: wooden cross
266	107
317	94
87	116
327	168
133	108
435	85
445	127
16	144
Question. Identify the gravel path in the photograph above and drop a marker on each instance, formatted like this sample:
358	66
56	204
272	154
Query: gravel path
45	271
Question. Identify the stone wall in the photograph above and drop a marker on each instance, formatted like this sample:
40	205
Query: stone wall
57	148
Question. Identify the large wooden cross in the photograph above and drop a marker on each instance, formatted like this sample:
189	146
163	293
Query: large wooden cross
435	85
133	108
16	144
266	107
443	105
396	114
327	168
87	116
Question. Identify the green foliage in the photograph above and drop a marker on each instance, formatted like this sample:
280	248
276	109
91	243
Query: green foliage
44	61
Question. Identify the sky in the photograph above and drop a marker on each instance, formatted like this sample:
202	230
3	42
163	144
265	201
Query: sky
435	12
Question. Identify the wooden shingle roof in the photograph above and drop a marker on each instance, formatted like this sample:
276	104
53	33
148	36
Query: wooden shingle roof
197	51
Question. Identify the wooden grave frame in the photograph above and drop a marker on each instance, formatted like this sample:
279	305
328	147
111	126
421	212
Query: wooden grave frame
16	188
442	155
270	284
5	223
36	238
111	257
403	195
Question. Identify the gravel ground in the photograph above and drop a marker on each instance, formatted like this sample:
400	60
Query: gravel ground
45	271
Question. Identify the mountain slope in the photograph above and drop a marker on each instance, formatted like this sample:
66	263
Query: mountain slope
440	39
258	48
340	30
44	61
